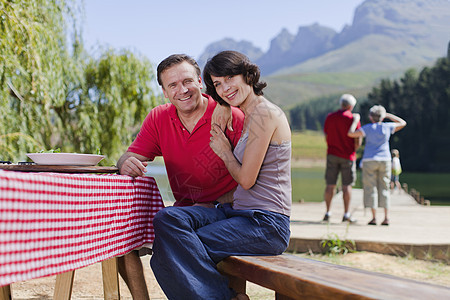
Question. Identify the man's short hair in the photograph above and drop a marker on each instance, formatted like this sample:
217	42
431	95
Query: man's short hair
347	100
172	60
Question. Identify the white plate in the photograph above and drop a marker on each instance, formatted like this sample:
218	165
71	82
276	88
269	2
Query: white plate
65	159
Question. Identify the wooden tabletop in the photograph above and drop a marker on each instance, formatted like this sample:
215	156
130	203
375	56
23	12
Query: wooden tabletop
59	168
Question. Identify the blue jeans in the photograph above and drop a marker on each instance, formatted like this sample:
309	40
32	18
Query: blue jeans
190	241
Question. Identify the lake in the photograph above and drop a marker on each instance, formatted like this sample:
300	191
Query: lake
308	184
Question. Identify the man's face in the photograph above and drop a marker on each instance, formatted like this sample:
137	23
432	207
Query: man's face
182	86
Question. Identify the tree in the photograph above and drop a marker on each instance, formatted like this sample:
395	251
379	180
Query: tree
53	94
424	102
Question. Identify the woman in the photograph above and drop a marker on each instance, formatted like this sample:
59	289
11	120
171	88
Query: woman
377	158
197	238
262	156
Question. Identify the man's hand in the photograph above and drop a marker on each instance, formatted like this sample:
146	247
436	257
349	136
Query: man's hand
131	165
223	117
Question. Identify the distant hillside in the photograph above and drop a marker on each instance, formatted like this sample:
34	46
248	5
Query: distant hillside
385	38
252	52
386	35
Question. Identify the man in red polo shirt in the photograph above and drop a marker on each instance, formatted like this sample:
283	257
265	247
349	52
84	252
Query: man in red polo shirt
341	155
180	132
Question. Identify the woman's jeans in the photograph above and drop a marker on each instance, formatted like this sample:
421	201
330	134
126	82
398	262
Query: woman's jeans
190	241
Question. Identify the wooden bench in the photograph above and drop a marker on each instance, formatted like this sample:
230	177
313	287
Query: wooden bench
292	277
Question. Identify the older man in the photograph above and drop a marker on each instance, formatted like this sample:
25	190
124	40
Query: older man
341	155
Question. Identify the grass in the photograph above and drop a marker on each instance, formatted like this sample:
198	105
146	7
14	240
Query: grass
308	145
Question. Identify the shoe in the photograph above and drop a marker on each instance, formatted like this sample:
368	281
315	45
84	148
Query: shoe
385	222
349	219
372	222
326	218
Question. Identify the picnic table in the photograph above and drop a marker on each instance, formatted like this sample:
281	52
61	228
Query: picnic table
55	223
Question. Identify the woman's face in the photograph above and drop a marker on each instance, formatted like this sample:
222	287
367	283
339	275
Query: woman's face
232	89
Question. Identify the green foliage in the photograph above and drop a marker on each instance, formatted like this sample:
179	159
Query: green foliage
333	245
33	66
423	100
57	95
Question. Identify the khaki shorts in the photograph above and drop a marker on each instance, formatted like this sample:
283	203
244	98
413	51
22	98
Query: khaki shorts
336	165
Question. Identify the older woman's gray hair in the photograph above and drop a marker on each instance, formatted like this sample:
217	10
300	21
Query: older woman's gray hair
377	112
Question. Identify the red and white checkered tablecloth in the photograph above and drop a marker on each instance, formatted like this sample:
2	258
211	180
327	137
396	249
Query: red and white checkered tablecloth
51	223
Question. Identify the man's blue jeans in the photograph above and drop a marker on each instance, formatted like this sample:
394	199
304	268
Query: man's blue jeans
190	241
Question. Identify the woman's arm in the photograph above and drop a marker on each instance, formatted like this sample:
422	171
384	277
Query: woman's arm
223	117
260	131
400	122
351	131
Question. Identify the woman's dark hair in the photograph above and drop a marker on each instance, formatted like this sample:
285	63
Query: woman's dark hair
232	63
172	60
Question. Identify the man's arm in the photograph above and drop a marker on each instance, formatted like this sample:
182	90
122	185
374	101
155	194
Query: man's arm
132	164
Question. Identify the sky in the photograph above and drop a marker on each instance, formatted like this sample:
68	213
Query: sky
159	28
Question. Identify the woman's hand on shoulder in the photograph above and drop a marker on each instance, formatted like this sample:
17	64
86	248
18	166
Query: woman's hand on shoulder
223	117
219	142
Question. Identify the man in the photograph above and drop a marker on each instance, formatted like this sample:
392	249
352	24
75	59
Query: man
341	155
180	132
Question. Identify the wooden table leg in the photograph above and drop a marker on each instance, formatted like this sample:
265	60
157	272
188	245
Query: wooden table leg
63	286
110	279
5	292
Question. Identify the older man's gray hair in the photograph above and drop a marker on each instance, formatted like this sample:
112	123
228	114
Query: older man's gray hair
347	101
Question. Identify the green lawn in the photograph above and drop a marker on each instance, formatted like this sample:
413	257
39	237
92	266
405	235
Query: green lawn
308	145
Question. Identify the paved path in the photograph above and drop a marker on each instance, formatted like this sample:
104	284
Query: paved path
410	223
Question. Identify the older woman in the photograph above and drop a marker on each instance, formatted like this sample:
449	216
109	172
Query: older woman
377	158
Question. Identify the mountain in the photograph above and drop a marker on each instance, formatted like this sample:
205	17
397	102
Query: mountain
287	50
245	47
384	35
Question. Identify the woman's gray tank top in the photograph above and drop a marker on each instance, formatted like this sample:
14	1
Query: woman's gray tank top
272	190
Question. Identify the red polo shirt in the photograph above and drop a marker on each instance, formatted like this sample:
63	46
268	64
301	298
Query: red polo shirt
195	172
336	128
